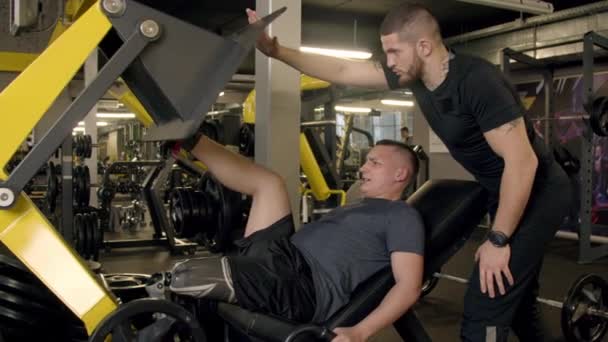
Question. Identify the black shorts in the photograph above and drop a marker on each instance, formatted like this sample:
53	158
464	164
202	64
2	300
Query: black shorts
271	276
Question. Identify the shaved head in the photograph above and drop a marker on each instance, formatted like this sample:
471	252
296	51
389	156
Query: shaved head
412	22
405	154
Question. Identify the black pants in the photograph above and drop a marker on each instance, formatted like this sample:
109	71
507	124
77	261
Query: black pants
488	320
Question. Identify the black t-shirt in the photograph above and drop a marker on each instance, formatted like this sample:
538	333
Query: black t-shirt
474	98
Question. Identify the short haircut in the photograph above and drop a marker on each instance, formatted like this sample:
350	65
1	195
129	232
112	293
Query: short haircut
410	21
404	128
405	150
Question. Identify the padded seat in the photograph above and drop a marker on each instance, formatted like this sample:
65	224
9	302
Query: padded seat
450	209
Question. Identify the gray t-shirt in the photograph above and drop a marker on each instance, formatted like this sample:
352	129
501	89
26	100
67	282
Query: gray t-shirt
351	243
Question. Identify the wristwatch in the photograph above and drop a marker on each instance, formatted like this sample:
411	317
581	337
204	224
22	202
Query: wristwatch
497	238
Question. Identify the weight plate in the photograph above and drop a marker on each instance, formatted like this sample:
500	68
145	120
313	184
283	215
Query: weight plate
76	185
125	314
90	236
225	205
30	291
247	140
79	240
84	233
589	291
598	117
89	146
86	194
127	286
97	236
22	304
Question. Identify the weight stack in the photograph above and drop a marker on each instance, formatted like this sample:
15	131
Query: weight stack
29	311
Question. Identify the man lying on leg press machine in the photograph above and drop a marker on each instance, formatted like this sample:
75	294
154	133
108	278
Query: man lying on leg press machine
307	276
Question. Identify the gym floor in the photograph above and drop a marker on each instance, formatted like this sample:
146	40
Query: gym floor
440	311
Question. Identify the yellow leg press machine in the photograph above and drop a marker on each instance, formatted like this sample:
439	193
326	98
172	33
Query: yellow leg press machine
174	68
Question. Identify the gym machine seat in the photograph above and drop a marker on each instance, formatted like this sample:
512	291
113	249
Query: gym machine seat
450	209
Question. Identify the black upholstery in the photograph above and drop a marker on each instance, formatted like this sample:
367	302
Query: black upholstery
450	209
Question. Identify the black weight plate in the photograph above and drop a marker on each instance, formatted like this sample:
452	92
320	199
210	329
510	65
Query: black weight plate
127	286
191	222
589	291
186	204
76	185
14	269
28	290
84	236
16	319
247	140
89	146
12	262
97	236
90	236
80	146
125	314
178	214
86	195
22	304
598	117
77	235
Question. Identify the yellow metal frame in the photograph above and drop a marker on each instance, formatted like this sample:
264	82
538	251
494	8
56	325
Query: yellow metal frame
15	61
318	185
23	228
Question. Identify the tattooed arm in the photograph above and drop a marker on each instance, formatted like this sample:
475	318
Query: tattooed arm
511	142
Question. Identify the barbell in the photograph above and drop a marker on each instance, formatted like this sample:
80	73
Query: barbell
584	312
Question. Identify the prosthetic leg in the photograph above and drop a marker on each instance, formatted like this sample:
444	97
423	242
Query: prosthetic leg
208	278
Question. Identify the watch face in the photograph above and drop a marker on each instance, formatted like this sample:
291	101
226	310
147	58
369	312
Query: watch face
497	239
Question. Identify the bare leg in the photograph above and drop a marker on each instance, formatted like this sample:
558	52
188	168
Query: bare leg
270	199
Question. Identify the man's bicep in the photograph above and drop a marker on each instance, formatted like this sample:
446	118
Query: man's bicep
368	74
510	140
408	267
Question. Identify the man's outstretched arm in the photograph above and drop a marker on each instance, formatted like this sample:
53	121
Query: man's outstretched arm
407	271
365	74
270	199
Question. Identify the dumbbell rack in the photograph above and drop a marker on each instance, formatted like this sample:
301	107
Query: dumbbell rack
164	233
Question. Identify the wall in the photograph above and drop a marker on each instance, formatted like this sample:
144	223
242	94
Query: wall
442	165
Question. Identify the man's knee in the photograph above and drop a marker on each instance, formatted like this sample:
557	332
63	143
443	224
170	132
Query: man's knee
199	278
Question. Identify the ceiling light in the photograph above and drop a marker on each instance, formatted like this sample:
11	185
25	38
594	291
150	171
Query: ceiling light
116	115
356	54
353	109
222	93
99	123
78	129
526	6
402	103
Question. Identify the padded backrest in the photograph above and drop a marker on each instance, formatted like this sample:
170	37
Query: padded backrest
450	209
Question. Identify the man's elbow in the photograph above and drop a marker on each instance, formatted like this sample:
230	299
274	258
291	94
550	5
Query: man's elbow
532	163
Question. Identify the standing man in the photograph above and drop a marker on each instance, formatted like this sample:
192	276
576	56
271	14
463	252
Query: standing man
405	136
480	118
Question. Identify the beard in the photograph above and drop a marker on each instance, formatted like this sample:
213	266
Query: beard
413	73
